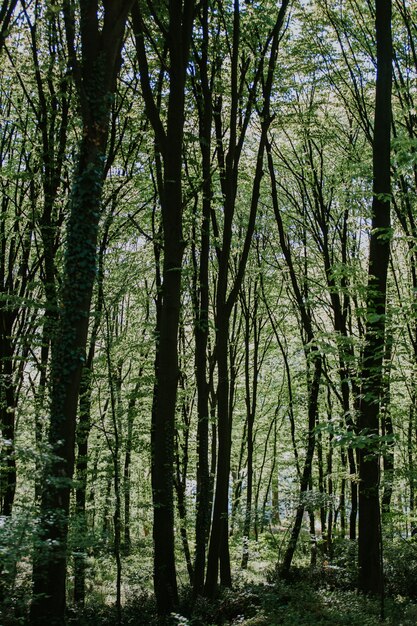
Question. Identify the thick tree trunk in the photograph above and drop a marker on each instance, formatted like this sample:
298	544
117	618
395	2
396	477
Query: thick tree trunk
369	548
49	573
96	81
218	547
165	582
82	435
83	431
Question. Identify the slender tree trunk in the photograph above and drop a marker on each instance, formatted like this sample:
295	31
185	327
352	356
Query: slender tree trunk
251	384
238	480
329	472
322	490
410	453
275	515
201	306
225	298
169	143
313	538
272	425
7	416
181	464
305	478
127	542
314	361
116	408
15	255
342	505
387	429
346	359
83	431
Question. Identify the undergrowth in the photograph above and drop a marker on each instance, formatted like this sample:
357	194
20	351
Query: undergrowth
323	595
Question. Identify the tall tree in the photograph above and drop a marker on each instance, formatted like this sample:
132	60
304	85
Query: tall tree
369	540
202	84
314	360
227	290
95	77
15	271
176	35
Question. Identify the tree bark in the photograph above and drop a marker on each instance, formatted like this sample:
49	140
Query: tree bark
225	298
6	14
7	414
169	143
251	387
369	541
83	432
201	308
96	81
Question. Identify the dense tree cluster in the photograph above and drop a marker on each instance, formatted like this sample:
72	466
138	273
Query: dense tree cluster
208	279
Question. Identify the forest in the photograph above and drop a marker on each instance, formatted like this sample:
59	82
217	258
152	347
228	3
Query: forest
208	312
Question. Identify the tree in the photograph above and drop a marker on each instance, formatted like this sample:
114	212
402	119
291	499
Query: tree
314	361
6	15
95	78
210	341
201	292
177	39
228	160
369	540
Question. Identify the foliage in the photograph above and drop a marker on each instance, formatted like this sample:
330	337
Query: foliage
400	568
300	271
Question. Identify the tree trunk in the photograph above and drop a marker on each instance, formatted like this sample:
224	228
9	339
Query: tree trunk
314	360
83	431
127	542
101	58
387	429
169	143
201	308
306	475
82	435
251	384
369	547
6	14
7	416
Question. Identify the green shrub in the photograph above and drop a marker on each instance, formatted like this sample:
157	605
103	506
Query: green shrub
400	567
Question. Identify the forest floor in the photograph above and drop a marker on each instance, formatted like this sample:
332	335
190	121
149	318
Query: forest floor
313	597
303	601
321	595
